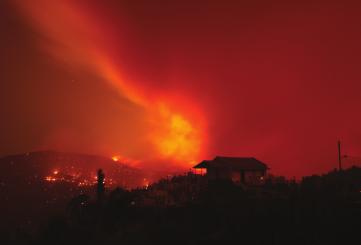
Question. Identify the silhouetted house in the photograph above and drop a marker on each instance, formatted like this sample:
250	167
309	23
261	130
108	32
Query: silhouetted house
246	170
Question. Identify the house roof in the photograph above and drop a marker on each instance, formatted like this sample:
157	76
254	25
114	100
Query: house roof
238	163
203	164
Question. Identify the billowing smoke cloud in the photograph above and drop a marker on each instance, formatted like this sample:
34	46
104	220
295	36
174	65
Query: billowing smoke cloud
189	80
84	40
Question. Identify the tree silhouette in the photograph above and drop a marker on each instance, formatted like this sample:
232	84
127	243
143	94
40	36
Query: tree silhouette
100	186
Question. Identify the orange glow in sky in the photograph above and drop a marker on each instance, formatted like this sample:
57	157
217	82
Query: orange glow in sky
164	84
76	38
177	138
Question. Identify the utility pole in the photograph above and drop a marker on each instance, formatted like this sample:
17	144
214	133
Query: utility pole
339	155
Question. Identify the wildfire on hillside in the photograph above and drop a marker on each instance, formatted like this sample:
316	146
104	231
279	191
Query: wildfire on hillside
76	178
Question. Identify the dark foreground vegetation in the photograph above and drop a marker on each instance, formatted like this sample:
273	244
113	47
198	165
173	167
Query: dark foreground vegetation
191	210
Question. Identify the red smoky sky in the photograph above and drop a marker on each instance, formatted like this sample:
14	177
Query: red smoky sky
175	82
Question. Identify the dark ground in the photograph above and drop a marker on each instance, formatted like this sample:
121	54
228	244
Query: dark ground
319	210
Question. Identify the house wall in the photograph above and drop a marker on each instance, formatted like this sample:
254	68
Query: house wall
247	177
254	177
236	176
217	173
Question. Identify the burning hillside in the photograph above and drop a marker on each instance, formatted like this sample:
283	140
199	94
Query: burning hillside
44	182
78	169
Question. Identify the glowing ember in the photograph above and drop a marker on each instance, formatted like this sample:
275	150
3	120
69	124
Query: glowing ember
125	160
145	183
55	172
115	158
50	179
